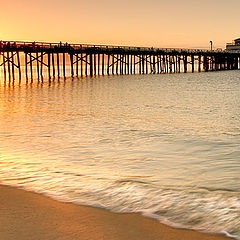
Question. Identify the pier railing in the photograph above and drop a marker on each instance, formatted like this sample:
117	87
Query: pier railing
21	45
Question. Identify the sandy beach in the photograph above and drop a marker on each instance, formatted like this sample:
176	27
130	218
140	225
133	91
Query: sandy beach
30	216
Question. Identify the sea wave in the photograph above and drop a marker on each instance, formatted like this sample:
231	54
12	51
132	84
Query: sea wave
201	209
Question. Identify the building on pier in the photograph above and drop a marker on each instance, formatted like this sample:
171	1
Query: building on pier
234	46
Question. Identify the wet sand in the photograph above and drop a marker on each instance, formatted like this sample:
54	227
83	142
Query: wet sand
30	216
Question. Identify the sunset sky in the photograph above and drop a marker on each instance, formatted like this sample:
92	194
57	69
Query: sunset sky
157	23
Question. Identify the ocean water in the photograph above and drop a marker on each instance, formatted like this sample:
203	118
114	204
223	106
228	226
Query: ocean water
166	146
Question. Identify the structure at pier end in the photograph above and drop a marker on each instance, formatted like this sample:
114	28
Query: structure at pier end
234	46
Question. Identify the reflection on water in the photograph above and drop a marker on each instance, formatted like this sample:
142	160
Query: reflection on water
163	145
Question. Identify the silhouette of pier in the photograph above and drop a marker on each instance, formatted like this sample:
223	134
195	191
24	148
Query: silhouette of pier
91	60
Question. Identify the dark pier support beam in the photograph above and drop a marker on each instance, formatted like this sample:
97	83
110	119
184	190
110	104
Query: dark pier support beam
164	64
225	63
131	64
220	63
134	64
64	65
37	65
175	63
167	63
9	71
232	63
117	56
91	64
179	63
185	57
140	63
98	63
199	63
113	64
19	66
71	61
170	64
108	62
123	63
177	70
150	62
143	65
41	71
125	67
103	64
120	64
228	63
13	74
58	67
31	68
161	64
216	63
95	64
158	64
77	61
205	62
193	59
147	64
4	66
49	65
211	64
128	64
236	63
86	65
53	65
81	63
154	65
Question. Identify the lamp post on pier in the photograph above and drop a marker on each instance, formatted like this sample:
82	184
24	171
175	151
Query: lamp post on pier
211	44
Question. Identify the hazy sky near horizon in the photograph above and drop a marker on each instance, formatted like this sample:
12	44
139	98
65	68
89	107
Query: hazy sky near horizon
157	23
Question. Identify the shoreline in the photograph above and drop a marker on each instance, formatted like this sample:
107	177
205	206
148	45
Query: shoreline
27	215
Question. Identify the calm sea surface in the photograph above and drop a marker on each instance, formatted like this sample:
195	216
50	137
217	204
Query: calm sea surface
167	146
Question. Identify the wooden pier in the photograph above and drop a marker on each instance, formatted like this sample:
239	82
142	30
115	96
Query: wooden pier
35	58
